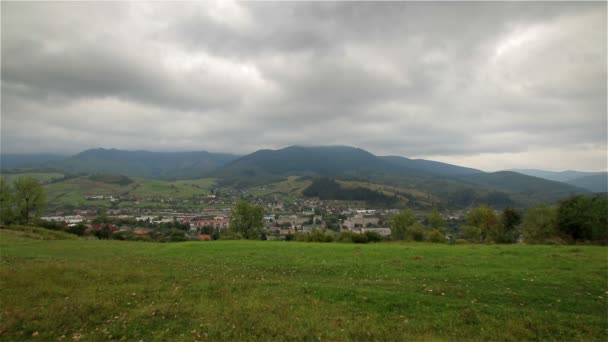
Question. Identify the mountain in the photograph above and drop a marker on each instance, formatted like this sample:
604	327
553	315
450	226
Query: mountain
559	176
160	165
319	160
429	166
458	186
417	182
16	161
592	181
523	185
595	183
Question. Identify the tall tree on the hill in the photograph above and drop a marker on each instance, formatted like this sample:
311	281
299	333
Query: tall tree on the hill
400	224
508	228
246	220
29	199
484	218
6	203
436	221
540	224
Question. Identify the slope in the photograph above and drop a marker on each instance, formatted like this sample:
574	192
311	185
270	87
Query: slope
158	165
594	183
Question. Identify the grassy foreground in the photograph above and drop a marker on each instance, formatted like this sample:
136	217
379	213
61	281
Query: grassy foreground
258	290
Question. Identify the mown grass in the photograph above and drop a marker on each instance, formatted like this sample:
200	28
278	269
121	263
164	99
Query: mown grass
263	290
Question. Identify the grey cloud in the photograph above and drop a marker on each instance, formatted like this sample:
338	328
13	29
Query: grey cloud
476	80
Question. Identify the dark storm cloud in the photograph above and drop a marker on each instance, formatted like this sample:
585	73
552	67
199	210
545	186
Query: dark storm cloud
493	85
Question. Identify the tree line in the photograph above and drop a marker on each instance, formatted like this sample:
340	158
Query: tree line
574	220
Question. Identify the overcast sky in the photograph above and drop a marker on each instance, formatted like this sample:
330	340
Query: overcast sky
486	85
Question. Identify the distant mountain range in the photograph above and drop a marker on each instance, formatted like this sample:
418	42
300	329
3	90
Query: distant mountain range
592	181
160	165
450	184
10	161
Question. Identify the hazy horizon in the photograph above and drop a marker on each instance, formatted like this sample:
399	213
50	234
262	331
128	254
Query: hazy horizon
487	85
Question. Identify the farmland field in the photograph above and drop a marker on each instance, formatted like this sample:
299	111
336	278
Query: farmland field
73	191
53	288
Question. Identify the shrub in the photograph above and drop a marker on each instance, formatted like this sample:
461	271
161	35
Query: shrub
345	236
359	238
416	232
471	233
373	236
436	236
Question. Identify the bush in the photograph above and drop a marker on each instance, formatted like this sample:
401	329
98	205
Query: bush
345	237
359	238
436	236
78	229
471	233
416	232
373	236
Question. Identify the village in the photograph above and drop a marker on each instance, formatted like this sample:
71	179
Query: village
282	218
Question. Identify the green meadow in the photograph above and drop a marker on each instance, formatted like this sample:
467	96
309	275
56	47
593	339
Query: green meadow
54	287
73	191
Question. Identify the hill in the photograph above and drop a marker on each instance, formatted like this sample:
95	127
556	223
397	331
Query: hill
23	162
594	183
527	188
158	165
319	160
431	167
453	185
591	181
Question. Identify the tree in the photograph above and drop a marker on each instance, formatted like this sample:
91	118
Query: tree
484	218
508	228
436	220
583	218
400	223
6	203
416	232
436	236
29	199
246	220
540	224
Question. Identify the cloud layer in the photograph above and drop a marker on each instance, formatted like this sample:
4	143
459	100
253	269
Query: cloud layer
488	85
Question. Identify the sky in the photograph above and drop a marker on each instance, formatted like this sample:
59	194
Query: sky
480	84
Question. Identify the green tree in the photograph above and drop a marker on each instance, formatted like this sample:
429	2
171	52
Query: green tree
416	232
583	218
540	224
436	220
246	220
509	223
6	203
400	223
436	236
485	219
471	233
29	198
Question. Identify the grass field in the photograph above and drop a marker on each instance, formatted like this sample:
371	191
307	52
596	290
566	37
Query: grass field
73	191
263	290
289	188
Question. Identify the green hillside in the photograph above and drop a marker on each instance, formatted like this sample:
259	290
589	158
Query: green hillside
73	192
594	183
262	290
158	165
